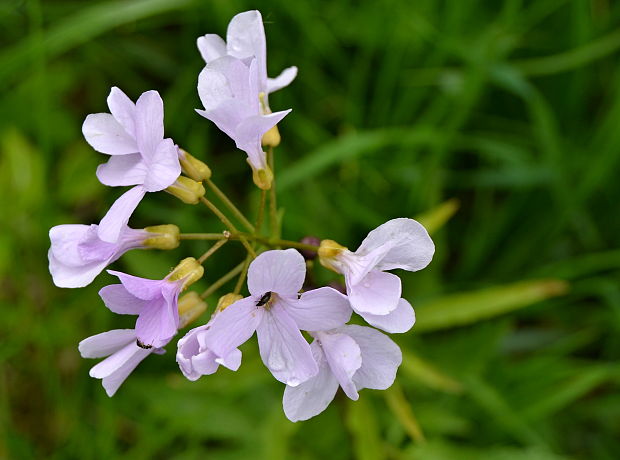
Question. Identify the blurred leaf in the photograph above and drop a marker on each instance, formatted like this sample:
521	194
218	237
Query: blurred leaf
418	369
470	307
436	218
400	407
362	424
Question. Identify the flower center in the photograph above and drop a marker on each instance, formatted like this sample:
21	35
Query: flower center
266	300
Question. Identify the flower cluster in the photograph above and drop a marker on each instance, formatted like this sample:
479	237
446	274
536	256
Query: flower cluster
234	89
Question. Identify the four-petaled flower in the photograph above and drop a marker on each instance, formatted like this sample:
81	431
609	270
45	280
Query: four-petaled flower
277	314
375	294
122	353
133	134
78	255
352	357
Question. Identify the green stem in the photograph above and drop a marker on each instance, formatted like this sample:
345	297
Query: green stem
223	280
261	211
273	206
244	271
272	242
222	196
228	224
212	249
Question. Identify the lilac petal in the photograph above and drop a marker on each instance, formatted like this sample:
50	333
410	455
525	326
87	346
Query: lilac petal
283	349
123	110
157	323
233	326
122	170
113	362
149	123
106	343
249	132
213	89
120	212
164	168
284	79
114	380
67	276
378	293
344	358
412	247
142	288
245	37
380	357
399	320
319	310
314	395
232	361
211	47
65	240
106	135
192	362
120	301
280	271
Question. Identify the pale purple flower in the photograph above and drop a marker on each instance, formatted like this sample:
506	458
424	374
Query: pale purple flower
122	356
245	38
195	359
277	314
154	301
77	254
133	134
352	357
229	90
375	294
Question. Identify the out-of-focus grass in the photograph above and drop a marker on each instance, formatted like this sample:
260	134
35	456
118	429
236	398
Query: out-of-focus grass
510	107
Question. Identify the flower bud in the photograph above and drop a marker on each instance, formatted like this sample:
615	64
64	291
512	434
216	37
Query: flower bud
329	250
189	270
187	190
271	138
262	177
193	167
164	237
190	306
227	300
313	241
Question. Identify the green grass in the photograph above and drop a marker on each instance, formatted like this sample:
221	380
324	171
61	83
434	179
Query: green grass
511	107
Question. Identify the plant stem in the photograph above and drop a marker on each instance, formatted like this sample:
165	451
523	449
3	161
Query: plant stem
272	242
222	196
273	206
212	249
223	280
261	211
244	271
228	224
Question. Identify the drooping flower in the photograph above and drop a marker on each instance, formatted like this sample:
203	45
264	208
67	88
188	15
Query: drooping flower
133	134
229	90
352	357
195	359
277	314
154	301
77	254
245	38
375	294
122	354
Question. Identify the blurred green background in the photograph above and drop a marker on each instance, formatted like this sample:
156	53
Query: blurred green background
511	109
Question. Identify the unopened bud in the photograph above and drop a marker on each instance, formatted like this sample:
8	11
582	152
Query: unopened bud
193	167
227	300
272	137
190	306
312	241
164	237
262	177
329	250
187	190
189	270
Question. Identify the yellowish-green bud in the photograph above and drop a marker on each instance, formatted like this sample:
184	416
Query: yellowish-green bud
189	270
193	167
187	190
329	250
262	177
227	300
164	237
191	306
272	137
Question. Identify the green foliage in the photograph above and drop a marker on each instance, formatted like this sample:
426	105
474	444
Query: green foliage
511	108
